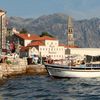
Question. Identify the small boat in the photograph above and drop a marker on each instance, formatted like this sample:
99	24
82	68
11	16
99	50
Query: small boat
91	69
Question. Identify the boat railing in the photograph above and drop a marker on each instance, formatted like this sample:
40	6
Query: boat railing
82	63
93	64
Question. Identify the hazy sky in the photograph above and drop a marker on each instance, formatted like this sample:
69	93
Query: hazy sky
78	9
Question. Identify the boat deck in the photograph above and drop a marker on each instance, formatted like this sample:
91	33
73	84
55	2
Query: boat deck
78	67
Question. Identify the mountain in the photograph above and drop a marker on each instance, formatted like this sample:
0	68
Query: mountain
86	32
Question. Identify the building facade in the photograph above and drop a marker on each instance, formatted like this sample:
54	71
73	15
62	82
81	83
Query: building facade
23	39
52	49
3	30
47	46
85	51
44	46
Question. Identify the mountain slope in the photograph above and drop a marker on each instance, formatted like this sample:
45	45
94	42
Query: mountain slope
86	32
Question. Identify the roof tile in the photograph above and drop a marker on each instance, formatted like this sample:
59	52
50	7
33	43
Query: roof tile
28	36
37	43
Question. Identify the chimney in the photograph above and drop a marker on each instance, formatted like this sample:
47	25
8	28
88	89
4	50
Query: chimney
29	35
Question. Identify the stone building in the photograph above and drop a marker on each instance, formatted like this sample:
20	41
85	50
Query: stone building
3	30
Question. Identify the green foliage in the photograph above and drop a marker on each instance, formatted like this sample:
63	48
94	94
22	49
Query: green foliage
8	61
45	34
23	31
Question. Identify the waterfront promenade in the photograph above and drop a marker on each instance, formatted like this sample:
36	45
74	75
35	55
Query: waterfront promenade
19	66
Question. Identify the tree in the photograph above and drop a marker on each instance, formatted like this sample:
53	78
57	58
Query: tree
23	30
46	34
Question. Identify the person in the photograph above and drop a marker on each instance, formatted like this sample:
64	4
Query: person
49	59
36	59
12	47
32	58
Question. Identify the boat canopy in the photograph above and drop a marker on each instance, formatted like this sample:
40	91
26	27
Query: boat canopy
90	58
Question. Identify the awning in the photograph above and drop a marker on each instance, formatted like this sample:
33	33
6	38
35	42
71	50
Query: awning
90	58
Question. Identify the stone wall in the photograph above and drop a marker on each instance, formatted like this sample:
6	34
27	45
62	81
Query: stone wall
13	70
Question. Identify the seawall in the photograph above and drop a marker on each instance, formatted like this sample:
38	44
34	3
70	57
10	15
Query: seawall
9	70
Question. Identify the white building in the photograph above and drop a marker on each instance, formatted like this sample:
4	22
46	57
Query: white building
85	51
24	39
45	46
3	29
52	49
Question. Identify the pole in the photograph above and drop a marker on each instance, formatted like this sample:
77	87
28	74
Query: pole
1	33
41	59
1	36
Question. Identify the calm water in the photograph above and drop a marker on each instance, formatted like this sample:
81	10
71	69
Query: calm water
47	88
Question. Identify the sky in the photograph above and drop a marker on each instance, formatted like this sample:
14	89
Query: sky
78	9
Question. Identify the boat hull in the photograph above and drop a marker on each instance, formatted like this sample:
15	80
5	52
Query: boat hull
65	71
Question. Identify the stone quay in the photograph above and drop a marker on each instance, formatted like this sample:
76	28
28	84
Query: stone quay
20	67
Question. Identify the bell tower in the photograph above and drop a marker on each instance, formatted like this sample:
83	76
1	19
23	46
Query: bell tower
70	31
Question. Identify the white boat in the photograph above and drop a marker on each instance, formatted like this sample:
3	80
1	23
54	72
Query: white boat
87	70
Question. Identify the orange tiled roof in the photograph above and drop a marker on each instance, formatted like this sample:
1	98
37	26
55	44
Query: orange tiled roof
66	46
37	43
39	40
71	46
61	45
23	48
27	37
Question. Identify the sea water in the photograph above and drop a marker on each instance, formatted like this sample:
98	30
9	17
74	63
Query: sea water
43	87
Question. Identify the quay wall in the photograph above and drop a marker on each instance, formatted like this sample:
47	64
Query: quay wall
13	70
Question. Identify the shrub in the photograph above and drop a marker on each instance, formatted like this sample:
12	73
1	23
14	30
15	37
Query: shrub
8	61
